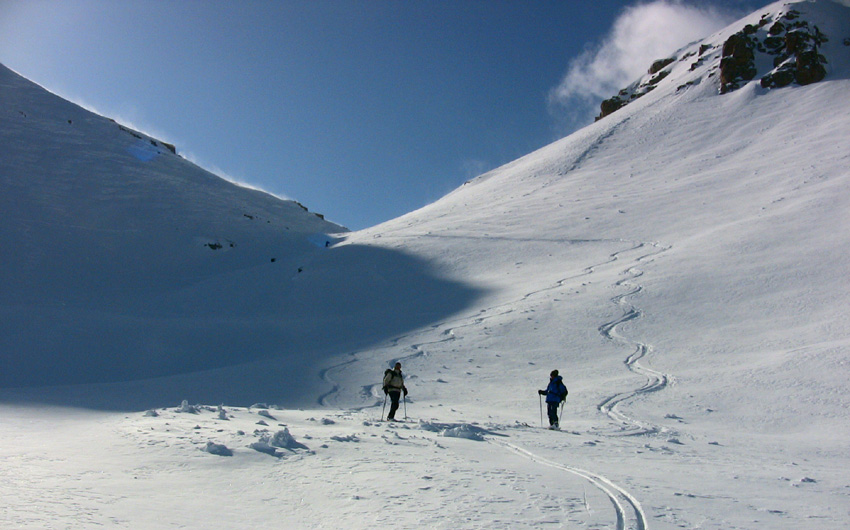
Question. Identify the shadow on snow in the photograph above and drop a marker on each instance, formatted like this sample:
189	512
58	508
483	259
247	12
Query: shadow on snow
250	335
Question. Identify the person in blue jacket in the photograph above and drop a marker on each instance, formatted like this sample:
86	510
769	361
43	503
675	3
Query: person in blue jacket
555	393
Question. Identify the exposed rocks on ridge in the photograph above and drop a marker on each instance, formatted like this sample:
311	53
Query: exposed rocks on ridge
782	48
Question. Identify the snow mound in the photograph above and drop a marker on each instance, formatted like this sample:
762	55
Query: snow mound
217	449
465	430
263	446
270	443
267	414
346	438
186	408
285	440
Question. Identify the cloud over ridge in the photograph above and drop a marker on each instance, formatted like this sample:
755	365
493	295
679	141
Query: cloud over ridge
641	34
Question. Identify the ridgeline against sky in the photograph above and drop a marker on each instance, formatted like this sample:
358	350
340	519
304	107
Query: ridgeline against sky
362	110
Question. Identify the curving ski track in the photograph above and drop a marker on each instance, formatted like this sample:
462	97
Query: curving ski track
629	512
655	380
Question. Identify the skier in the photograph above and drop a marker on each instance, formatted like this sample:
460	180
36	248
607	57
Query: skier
394	386
555	393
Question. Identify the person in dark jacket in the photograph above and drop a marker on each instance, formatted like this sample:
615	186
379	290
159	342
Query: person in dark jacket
394	386
555	393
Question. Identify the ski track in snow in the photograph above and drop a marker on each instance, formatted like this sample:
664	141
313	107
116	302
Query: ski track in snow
325	376
628	510
594	146
655	380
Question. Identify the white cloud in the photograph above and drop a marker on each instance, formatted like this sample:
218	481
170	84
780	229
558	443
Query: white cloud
640	35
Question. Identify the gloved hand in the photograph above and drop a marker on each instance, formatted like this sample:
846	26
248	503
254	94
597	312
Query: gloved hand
404	389
385	390
541	392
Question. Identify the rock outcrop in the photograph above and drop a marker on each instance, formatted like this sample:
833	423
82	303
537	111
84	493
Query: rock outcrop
782	48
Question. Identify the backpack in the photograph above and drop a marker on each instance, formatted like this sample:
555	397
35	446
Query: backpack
563	391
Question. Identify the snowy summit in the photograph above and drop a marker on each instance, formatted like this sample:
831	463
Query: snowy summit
183	352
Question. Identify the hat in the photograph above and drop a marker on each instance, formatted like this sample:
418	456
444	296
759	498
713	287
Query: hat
554	373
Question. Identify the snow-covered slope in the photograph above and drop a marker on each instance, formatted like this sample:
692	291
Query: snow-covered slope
682	262
114	245
124	262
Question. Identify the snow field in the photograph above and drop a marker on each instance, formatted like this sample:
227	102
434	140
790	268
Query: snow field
350	469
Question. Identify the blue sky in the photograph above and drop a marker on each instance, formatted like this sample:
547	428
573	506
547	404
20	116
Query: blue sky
360	110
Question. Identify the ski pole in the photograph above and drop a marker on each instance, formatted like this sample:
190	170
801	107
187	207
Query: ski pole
405	406
385	406
540	398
